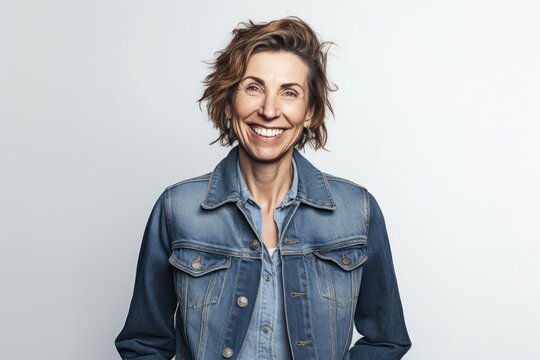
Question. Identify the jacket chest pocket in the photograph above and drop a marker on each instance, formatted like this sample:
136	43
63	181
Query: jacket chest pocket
339	273
199	276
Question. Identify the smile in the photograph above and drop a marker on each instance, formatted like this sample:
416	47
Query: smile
266	132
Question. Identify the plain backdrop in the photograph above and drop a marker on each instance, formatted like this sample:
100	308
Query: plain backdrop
436	114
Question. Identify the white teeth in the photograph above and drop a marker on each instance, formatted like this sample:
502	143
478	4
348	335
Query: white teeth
267	132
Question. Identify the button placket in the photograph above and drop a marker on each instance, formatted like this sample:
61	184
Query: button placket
267	320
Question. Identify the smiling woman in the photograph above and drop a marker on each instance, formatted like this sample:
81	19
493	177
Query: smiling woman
266	257
270	107
289	36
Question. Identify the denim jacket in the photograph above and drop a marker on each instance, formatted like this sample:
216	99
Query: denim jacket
200	263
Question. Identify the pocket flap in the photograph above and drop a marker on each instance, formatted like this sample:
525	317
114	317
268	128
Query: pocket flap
347	258
198	262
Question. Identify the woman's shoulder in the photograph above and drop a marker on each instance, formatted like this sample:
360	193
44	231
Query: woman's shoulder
191	188
345	190
340	181
193	181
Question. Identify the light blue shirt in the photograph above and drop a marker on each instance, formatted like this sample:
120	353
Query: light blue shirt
267	338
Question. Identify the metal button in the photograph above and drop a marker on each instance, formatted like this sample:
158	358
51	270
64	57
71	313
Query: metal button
227	353
254	245
266	329
346	260
196	264
267	278
242	301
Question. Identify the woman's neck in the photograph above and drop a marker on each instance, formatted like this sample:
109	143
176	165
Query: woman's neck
268	182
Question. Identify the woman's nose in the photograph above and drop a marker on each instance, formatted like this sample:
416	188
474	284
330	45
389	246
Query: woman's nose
269	107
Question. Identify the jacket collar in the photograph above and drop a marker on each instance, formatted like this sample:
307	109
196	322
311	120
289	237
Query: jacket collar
223	186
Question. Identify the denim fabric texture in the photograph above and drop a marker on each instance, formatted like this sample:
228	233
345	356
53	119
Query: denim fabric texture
201	262
266	338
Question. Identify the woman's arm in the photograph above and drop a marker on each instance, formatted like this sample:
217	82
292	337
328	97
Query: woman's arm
148	332
379	314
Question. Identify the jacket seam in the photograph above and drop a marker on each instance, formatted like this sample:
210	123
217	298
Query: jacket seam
367	205
311	249
218	251
168	210
201	178
340	179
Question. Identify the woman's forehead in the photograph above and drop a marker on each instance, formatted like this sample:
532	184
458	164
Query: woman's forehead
277	66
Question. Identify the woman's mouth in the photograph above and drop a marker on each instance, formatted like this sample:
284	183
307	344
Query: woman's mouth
266	133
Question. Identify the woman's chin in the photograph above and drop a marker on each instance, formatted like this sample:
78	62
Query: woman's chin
266	154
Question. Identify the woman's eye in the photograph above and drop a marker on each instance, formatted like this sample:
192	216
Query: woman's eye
252	88
290	93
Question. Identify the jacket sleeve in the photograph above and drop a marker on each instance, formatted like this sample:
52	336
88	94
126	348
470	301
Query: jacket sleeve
148	332
379	314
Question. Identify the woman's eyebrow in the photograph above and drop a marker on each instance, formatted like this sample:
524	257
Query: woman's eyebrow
261	81
292	84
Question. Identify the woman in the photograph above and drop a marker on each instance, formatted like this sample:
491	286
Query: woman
266	257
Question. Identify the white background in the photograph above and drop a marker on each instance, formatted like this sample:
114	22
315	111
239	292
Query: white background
437	115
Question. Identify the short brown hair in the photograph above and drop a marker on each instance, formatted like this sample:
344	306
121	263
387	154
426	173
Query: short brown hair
287	34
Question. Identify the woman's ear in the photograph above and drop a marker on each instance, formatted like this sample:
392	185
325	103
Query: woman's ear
309	116
228	112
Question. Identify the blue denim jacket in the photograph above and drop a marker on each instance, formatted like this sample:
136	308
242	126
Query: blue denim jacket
200	264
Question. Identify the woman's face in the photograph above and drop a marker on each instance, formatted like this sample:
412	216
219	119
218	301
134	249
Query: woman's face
270	107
